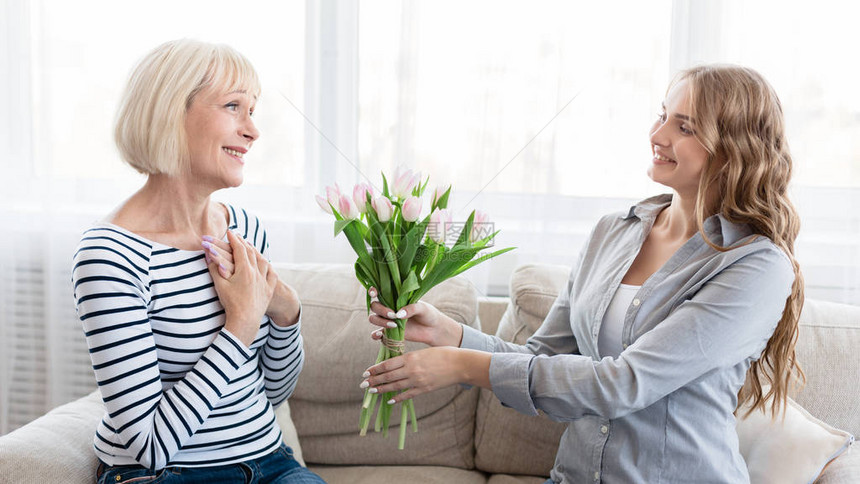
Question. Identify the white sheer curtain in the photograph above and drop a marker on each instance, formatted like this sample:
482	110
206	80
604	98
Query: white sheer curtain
62	67
537	112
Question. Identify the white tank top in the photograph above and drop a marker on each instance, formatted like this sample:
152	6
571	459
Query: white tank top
609	338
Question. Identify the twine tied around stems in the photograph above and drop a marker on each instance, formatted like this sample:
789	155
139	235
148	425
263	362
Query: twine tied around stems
396	346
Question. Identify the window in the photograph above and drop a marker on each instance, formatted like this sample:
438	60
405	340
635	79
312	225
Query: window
80	56
551	97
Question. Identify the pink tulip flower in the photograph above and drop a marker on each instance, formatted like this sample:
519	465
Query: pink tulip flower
347	208
480	225
359	195
323	203
332	194
440	221
437	194
403	182
411	209
383	208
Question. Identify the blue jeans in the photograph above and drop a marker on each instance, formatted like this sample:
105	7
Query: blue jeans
279	467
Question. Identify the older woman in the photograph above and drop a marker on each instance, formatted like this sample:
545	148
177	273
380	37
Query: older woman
670	306
191	355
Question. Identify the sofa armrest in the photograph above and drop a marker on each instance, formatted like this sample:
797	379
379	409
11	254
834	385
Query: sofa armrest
57	447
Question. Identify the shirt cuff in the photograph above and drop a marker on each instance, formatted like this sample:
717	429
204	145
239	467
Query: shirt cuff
474	339
280	332
509	379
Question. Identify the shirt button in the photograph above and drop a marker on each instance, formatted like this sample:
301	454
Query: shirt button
604	429
636	302
596	476
625	345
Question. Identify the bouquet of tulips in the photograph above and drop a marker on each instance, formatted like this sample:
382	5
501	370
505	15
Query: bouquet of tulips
403	256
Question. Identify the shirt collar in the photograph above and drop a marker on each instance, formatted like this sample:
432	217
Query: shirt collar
649	208
719	230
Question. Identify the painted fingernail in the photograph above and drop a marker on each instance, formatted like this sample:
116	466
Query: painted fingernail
206	245
391	402
401	314
391	315
378	334
222	267
208	238
365	375
365	383
372	293
372	390
391	324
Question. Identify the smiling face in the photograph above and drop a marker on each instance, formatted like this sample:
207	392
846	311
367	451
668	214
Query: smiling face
220	131
679	157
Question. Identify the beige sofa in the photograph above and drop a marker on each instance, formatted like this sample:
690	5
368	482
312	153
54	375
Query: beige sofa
464	435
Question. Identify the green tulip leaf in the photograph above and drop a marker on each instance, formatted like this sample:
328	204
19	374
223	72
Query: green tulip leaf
442	202
340	225
463	239
409	245
391	262
482	259
386	295
410	284
385	187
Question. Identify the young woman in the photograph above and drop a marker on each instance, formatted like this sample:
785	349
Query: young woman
670	308
193	346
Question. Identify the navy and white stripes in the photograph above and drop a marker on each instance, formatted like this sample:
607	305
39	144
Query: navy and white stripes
178	388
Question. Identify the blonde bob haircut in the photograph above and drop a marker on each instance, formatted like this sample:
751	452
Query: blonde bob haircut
150	124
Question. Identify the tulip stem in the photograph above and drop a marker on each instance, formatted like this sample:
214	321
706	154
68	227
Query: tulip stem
401	441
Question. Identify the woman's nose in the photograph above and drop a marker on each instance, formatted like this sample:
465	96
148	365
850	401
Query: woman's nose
249	130
658	134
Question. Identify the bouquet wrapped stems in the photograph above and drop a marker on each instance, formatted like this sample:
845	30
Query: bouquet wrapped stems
403	256
392	345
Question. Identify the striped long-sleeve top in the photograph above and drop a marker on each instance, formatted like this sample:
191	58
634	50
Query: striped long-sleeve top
178	388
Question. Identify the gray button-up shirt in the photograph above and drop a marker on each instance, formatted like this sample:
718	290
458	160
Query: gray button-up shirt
662	411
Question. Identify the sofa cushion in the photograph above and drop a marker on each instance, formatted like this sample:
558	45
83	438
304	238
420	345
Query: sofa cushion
288	429
793	449
536	439
828	342
827	394
533	290
515	479
843	469
385	474
534	287
338	348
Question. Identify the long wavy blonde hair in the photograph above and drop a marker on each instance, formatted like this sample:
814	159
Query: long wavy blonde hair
739	121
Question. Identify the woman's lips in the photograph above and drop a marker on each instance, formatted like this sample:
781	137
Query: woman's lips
235	154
